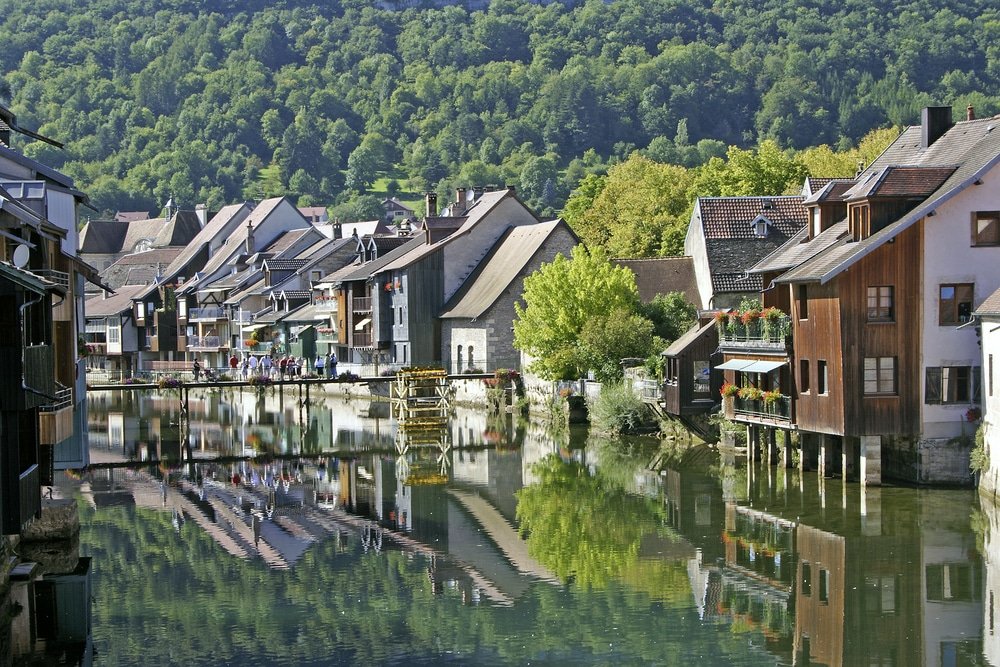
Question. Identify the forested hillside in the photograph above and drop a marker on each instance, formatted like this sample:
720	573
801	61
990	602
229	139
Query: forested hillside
214	101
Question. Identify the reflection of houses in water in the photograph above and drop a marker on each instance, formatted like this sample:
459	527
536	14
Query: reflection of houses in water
53	622
859	591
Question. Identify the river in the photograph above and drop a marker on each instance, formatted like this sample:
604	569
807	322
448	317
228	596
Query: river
277	533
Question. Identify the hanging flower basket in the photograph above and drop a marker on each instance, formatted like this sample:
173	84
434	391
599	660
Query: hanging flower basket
728	389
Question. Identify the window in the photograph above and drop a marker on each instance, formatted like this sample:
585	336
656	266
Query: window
952	384
821	377
114	330
803	303
806	579
955	304
458	360
880	304
803	376
990	383
824	586
472	359
880	375
986	228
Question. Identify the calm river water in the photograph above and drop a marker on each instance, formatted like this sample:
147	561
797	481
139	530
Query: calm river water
286	535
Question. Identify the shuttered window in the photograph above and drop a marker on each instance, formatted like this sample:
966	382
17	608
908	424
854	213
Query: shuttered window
953	384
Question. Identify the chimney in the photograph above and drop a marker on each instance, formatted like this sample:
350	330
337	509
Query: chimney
201	210
338	231
458	208
510	186
934	122
970	113
250	242
430	204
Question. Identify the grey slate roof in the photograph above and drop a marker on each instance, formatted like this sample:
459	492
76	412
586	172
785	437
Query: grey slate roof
499	269
119	302
971	146
279	264
686	338
359	271
798	250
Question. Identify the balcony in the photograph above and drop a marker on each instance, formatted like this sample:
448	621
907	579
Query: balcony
60	278
759	410
241	317
363	304
55	419
362	340
327	306
213	314
30	492
757	335
204	342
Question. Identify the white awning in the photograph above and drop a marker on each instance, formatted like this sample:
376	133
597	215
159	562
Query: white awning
763	366
254	327
299	329
734	365
362	324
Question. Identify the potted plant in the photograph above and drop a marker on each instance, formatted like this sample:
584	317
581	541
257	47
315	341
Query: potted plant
750	393
773	319
729	391
771	399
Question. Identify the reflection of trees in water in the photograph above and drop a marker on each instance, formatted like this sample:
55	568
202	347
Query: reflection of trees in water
173	597
588	529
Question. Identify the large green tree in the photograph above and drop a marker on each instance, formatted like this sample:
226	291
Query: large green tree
561	299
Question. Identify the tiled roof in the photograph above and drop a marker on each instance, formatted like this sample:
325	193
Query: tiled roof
499	269
798	250
278	264
832	191
814	184
359	271
900	182
113	304
363	228
991	306
735	282
732	217
973	146
102	237
663	275
296	293
734	257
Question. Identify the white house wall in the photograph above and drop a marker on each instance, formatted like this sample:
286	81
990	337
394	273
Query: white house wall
989	481
950	258
60	209
463	254
695	247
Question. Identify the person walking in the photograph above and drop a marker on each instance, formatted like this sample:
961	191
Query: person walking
233	363
283	366
320	361
245	366
196	369
333	364
266	366
252	365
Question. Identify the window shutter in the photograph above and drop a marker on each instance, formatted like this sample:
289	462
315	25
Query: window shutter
932	387
977	384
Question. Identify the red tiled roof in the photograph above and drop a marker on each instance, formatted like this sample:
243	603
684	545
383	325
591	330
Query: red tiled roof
732	217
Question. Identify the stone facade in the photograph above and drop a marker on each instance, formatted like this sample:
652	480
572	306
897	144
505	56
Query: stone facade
492	332
942	461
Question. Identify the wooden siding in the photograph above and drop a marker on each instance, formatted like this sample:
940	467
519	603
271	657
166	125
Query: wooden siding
892	264
679	396
55	426
342	301
818	338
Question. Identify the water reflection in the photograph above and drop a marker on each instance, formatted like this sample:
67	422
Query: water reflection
279	531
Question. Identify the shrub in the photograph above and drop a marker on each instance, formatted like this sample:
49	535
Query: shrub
170	383
619	410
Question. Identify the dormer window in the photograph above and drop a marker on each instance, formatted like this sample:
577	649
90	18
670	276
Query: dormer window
761	226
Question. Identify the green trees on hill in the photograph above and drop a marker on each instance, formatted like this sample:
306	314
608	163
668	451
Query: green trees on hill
221	100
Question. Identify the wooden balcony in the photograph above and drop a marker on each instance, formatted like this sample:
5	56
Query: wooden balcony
758	335
55	419
363	304
760	412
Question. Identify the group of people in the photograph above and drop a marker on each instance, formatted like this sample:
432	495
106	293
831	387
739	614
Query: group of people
265	365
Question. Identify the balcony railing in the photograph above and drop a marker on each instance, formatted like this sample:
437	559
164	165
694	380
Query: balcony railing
63	397
756	334
326	306
363	304
648	390
204	342
780	409
241	317
96	326
58	277
362	340
211	314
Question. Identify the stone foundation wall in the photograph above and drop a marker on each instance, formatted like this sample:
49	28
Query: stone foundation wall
943	461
